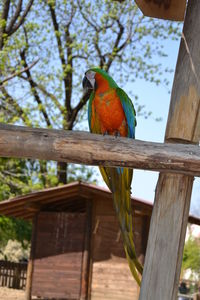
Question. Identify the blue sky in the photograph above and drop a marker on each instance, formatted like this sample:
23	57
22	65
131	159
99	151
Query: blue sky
156	99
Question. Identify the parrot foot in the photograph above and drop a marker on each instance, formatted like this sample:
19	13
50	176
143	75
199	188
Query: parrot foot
117	134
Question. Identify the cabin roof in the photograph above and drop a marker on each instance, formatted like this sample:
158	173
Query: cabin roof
69	196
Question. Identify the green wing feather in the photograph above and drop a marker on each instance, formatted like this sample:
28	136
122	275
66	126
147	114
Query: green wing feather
119	184
90	109
129	111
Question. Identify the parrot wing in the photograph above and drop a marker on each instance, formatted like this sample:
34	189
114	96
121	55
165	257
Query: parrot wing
119	185
129	111
90	109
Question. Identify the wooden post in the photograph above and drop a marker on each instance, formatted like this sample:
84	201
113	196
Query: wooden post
29	276
86	253
145	232
173	193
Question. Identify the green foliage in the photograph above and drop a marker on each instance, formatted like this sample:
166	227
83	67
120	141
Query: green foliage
14	229
14	177
87	34
15	251
191	256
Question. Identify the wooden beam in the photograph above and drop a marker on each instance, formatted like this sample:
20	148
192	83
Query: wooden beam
86	148
32	206
29	278
173	193
163	9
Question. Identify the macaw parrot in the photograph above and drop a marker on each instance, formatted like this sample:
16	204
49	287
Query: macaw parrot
110	111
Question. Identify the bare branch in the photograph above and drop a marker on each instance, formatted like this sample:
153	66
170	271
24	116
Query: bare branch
4	17
66	79
79	56
19	72
5	10
57	34
86	19
72	14
9	181
101	56
21	18
76	110
46	93
33	87
68	76
116	44
19	110
14	17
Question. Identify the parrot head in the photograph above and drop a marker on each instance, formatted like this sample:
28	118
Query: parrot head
95	77
89	82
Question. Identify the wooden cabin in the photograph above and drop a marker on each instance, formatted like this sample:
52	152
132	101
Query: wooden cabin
77	250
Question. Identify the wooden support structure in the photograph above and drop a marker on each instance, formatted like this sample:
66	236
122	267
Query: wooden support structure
163	9
58	145
86	254
169	219
31	206
30	263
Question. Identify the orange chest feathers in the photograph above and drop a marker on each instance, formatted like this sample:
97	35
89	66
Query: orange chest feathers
108	114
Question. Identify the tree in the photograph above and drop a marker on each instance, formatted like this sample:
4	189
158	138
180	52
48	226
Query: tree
14	174
13	15
14	229
191	256
68	37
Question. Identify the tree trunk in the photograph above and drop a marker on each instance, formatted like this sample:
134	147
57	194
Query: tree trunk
43	171
62	172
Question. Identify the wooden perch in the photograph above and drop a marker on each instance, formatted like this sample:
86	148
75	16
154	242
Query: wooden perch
91	149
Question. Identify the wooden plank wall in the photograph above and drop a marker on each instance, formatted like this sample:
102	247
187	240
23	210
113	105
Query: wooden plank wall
111	277
58	255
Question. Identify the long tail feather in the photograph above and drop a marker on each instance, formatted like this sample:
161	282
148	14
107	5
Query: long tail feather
118	181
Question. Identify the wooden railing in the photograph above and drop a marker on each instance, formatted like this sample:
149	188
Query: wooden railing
13	275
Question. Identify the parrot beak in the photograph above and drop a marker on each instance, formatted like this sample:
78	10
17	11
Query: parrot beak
88	82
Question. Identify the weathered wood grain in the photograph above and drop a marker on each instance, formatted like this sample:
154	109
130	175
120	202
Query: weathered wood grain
163	9
172	201
111	277
31	261
85	273
166	238
86	148
58	255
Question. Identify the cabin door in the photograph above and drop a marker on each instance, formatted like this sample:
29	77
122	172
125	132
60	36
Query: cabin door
58	250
